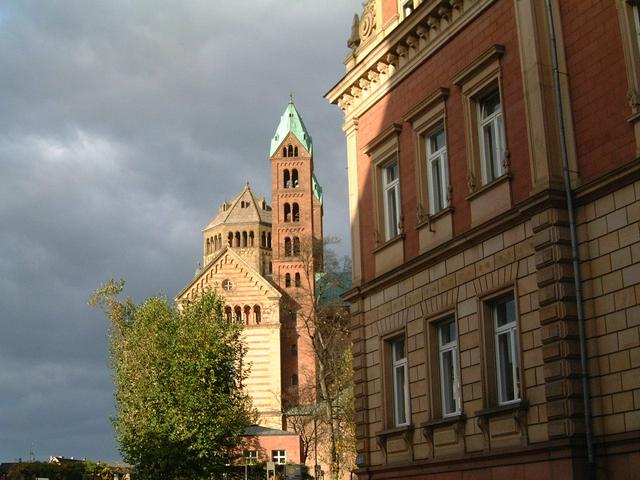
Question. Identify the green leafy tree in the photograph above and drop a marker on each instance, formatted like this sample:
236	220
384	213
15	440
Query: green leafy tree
178	375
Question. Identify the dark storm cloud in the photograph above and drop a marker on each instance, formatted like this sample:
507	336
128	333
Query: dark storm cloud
123	126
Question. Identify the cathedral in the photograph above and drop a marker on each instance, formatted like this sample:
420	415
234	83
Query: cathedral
263	259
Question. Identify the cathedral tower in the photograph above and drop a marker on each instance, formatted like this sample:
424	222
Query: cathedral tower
296	248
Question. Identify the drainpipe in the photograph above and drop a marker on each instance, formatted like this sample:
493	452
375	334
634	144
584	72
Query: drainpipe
586	391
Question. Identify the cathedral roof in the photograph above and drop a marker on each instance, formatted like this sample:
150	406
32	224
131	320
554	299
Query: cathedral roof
247	207
291	121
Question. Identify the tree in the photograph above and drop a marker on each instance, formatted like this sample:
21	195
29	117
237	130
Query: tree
178	375
326	322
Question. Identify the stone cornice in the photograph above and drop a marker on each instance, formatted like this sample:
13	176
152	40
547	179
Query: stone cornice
414	40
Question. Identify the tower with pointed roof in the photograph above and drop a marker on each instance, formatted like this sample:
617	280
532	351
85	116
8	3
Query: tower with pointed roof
297	244
262	260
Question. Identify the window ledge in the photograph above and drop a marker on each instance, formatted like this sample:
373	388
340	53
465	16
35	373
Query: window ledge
406	432
384	245
390	432
503	409
634	118
455	421
436	216
489	186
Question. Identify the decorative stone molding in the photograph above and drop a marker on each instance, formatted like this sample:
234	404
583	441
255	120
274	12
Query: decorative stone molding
413	40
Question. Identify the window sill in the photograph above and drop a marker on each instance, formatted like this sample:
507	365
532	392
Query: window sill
384	245
489	186
455	421
517	410
634	118
406	432
431	218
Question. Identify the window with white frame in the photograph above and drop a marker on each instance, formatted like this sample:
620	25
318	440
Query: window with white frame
491	136
250	457
449	372
507	349
400	383
391	200
279	456
636	19
437	174
406	8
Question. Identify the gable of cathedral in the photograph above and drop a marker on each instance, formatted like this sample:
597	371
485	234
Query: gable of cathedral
247	207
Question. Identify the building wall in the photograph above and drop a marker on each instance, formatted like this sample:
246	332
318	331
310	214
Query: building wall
510	237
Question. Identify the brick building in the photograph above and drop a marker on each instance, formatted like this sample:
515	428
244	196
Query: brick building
471	323
261	259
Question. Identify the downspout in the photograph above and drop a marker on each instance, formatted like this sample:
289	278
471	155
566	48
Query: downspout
586	390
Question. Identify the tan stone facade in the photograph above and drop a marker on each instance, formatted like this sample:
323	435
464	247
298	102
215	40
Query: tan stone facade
253	257
485	250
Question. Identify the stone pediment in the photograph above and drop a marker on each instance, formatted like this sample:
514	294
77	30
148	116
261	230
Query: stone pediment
247	285
247	207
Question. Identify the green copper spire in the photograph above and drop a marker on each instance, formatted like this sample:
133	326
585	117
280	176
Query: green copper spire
291	122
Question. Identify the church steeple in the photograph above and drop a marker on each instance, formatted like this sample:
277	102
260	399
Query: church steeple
291	121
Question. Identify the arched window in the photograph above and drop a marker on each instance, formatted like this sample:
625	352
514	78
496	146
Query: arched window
237	239
294	379
295	151
284	151
287	280
287	247
263	240
227	313
296	246
238	314
290	151
294	178
298	280
287	212
294	349
208	249
286	181
251	238
230	239
257	314
296	212
269	240
270	268
244	239
247	314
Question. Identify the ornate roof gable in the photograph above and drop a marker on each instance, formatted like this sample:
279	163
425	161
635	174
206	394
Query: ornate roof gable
228	257
246	207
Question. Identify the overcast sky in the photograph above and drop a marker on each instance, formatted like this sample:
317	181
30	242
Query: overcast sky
123	125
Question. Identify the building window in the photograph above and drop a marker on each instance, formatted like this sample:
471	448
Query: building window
250	457
294	349
296	246
507	349
287	212
286	178
287	280
296	212
448	367
298	281
294	379
391	200
491	136
437	173
287	246
227	285
279	456
400	382
257	314
406	8
294	178
237	314
636	21
228	315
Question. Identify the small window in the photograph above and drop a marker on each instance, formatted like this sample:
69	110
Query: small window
250	457
294	178
294	379
289	151
237	314
227	285
491	136
287	280
228	315
298	280
391	200
406	8
279	456
400	383
296	246
449	371
287	212
286	179
287	247
507	349
437	172
296	212
257	314
294	349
